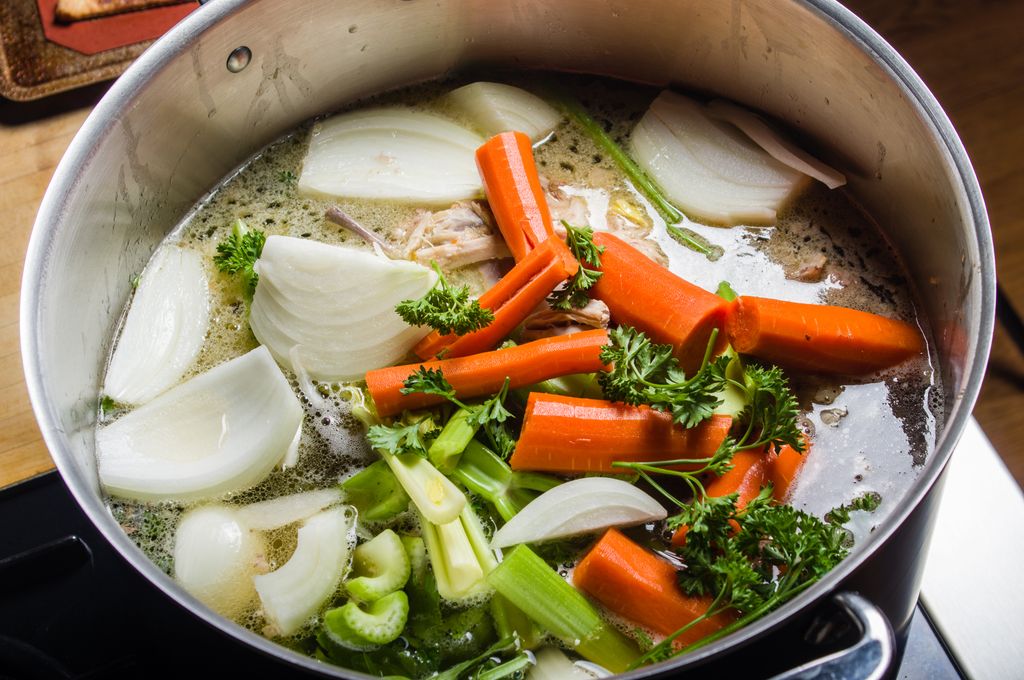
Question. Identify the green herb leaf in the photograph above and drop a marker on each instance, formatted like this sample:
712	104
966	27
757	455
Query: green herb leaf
778	552
573	295
237	254
866	502
429	381
494	408
398	438
725	291
445	309
772	409
647	373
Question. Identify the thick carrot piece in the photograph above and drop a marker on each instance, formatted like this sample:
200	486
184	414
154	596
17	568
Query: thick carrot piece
643	294
635	584
782	468
483	374
511	299
751	470
572	435
819	338
513	190
747	476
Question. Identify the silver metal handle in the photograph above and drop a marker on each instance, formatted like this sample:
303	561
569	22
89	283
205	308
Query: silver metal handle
869	659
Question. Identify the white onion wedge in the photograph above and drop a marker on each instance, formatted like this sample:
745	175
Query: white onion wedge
710	169
215	558
777	146
579	507
336	304
396	154
219	433
496	107
279	512
164	329
294	593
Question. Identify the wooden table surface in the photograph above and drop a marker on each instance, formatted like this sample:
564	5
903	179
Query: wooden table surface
967	51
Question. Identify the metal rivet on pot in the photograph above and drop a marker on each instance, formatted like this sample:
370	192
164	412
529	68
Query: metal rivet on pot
239	58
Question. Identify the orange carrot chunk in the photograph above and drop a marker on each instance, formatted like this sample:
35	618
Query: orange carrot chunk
513	190
643	294
572	435
511	299
819	338
635	584
782	468
483	374
751	470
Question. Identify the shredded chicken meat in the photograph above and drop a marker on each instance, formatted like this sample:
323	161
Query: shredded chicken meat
461	235
545	322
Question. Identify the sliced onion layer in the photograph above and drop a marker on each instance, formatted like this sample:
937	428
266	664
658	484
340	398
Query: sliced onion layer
776	145
219	433
394	153
496	108
164	329
708	168
578	507
293	594
337	305
279	512
216	557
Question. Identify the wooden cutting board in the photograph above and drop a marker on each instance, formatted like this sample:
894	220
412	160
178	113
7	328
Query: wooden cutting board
966	50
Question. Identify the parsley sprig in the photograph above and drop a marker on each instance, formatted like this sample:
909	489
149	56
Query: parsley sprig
445	309
644	372
648	373
573	295
237	254
491	415
777	553
410	434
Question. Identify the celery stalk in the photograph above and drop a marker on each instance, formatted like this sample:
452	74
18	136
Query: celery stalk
545	597
434	495
481	471
375	492
457	433
510	621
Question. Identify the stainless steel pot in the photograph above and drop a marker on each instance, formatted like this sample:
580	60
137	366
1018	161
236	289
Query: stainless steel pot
238	73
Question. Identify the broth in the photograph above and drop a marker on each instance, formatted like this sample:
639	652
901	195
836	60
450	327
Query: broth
869	436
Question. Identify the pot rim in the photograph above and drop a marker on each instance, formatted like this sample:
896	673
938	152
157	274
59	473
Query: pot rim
178	40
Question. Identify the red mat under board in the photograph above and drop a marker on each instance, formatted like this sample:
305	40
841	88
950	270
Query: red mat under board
98	35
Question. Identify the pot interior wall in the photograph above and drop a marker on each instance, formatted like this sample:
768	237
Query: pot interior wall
180	121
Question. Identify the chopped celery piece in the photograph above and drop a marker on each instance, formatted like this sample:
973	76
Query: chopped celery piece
576	385
483	472
540	592
457	433
375	492
434	495
725	291
511	621
460	555
381	566
340	634
381	622
424	601
733	396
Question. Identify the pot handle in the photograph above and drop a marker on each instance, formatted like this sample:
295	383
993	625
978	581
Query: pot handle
870	658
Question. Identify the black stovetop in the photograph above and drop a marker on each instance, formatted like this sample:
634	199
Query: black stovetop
72	607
